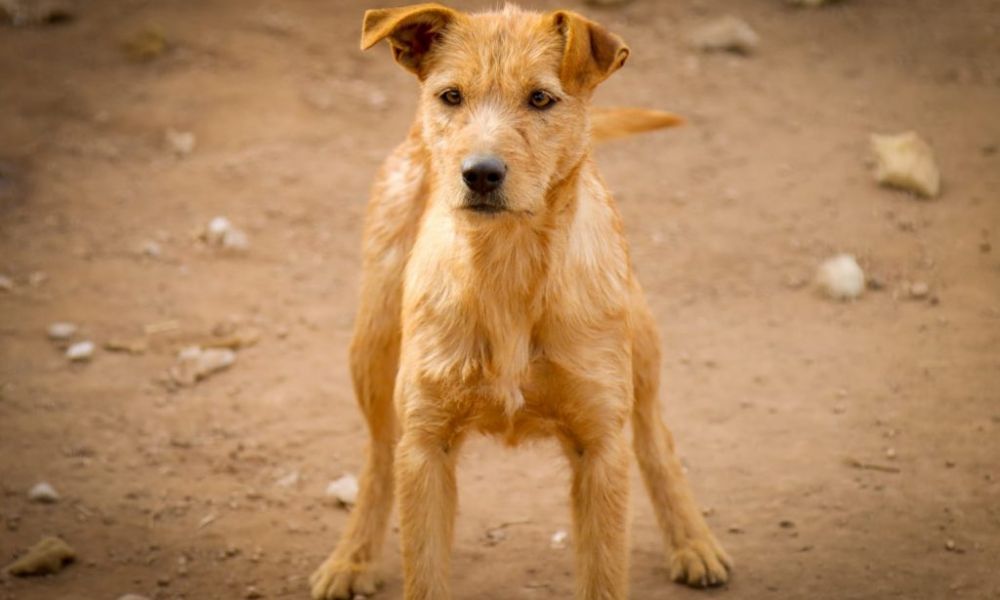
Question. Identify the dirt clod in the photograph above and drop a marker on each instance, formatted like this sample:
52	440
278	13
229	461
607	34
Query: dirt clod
907	162
46	557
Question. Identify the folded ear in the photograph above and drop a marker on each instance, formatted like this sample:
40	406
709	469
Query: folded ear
591	54
411	31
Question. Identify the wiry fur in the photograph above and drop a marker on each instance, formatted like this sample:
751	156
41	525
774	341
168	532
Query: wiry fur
523	324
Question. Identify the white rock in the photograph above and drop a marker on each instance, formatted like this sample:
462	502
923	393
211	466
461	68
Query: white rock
289	480
61	330
919	290
841	278
44	493
182	143
559	539
152	249
216	230
728	33
220	232
6	283
344	490
195	363
80	351
906	161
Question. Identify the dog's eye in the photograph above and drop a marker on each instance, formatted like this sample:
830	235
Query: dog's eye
541	100
451	97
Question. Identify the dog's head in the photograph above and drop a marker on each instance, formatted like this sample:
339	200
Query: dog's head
503	96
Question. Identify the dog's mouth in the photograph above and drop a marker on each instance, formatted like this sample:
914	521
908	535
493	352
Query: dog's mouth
490	204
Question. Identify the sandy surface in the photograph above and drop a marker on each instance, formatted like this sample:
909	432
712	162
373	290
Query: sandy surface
770	388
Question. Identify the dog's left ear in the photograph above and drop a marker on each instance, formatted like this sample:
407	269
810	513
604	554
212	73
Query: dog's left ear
591	54
411	31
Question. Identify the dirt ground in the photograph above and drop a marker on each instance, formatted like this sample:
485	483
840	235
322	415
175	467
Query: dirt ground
771	389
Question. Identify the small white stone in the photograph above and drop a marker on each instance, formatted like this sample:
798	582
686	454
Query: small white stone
182	143
559	539
80	351
344	490
841	277
194	363
221	233
728	33
919	290
290	480
61	330
152	249
43	493
216	230
6	283
907	162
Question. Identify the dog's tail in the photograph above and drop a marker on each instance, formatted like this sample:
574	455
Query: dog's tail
610	122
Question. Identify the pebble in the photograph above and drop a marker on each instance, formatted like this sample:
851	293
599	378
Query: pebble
890	453
61	330
559	539
906	161
6	283
46	557
80	351
252	593
289	480
43	493
841	277
152	249
194	364
222	234
728	33
182	143
919	290
344	490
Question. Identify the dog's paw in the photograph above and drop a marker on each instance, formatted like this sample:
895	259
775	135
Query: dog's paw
337	579
700	563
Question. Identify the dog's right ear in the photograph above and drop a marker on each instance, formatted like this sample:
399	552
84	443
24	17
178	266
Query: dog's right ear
411	30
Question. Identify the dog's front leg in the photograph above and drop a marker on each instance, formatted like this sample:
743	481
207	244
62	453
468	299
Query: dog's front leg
601	515
425	483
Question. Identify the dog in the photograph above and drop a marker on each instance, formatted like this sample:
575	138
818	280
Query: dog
498	298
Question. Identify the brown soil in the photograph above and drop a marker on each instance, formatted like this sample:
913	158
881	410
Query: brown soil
771	388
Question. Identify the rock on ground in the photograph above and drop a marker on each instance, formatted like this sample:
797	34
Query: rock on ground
195	363
44	493
80	351
907	162
841	278
728	33
61	330
48	556
344	490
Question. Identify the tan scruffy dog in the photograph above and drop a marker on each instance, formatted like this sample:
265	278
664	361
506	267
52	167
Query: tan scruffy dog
498	298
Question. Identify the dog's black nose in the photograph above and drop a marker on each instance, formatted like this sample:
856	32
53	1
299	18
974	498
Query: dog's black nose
483	174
